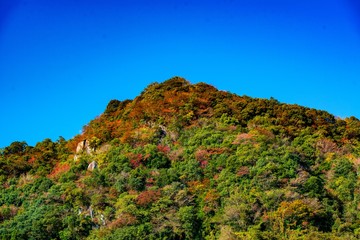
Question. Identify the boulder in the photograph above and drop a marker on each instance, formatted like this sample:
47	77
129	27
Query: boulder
92	166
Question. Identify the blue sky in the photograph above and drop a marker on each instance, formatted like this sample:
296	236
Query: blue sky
62	61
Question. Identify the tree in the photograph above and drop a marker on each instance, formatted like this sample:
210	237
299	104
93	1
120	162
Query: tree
16	148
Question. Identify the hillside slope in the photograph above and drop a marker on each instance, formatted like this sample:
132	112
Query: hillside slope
187	161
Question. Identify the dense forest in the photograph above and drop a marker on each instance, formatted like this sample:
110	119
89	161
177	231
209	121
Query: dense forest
187	161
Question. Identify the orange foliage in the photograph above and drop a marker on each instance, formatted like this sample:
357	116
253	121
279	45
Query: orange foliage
72	144
32	160
124	219
197	186
211	201
132	192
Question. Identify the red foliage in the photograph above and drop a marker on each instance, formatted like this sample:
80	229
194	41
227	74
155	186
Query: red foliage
203	164
163	148
58	169
136	159
244	170
243	137
150	182
147	197
202	155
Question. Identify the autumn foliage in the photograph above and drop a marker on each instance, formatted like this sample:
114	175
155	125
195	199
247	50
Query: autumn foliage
187	161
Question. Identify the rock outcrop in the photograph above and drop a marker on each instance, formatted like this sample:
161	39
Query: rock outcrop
83	147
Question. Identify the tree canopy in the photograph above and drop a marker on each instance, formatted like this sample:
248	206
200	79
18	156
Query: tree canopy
187	161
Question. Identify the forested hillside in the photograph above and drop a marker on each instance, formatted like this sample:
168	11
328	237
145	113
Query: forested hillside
187	161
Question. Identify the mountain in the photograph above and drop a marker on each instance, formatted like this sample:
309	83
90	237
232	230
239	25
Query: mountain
187	161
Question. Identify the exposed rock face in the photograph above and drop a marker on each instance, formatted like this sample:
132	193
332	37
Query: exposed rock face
83	147
92	166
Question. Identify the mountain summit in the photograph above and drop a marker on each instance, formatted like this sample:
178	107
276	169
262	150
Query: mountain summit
187	161
178	104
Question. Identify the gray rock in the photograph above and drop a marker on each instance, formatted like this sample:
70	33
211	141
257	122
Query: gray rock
92	166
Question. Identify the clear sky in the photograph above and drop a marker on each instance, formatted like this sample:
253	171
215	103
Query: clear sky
62	61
